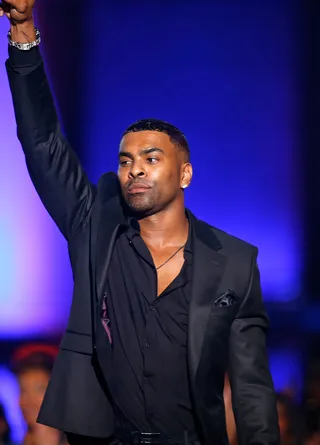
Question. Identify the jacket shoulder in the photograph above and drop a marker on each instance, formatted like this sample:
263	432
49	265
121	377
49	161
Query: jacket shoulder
108	186
233	244
242	258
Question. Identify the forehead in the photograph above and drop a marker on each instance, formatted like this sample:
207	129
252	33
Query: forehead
145	139
33	373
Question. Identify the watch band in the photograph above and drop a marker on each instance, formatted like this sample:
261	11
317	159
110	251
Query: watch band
25	46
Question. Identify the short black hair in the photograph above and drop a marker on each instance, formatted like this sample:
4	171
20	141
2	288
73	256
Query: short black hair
176	136
33	356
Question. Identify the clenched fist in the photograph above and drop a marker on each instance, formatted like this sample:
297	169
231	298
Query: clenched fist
17	11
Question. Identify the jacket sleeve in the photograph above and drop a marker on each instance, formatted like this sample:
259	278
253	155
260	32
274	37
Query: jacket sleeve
253	395
53	166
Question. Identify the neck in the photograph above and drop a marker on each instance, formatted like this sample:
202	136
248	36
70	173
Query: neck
165	228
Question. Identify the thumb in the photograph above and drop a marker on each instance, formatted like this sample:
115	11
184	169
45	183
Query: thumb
5	9
5	6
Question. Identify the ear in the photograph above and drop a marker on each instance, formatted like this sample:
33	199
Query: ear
186	175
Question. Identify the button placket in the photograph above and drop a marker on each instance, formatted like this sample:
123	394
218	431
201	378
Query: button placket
147	371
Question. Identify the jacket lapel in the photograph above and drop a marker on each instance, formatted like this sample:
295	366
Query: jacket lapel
110	219
208	269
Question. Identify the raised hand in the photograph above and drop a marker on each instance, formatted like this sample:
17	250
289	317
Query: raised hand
17	11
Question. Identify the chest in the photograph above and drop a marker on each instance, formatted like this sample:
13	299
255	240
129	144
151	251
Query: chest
167	267
148	273
134	287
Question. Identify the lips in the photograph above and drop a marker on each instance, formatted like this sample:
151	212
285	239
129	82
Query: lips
138	188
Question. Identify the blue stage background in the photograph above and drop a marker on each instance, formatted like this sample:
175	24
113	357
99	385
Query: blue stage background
226	74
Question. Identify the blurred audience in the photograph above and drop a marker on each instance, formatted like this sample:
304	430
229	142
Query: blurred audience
5	438
311	404
230	420
32	364
291	428
299	424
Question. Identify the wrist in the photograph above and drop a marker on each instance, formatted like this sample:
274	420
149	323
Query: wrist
23	32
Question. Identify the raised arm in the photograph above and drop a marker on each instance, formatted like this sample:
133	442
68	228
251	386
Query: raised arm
53	166
253	395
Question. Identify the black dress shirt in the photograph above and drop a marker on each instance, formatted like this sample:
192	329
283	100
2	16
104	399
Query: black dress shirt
149	336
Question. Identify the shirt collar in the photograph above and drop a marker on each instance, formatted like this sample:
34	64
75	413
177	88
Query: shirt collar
133	229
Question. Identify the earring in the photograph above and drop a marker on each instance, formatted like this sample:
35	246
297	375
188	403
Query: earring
184	186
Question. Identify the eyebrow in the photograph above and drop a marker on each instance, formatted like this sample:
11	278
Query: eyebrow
146	151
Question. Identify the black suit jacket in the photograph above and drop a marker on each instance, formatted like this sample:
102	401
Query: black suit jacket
221	337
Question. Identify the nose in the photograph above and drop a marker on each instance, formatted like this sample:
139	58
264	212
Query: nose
137	170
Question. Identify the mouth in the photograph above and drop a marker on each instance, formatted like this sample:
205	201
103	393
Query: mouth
137	188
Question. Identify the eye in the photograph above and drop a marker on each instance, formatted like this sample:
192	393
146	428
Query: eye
124	163
152	160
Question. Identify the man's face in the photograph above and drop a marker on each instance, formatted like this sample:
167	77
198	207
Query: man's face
33	384
151	171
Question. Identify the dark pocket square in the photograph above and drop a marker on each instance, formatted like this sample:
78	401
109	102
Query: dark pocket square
226	299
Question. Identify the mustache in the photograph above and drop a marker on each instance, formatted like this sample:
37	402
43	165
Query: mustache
137	183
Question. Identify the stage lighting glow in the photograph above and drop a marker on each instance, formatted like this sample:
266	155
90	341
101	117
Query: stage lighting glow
35	281
9	398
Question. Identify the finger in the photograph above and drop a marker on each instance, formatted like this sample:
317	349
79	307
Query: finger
5	7
8	5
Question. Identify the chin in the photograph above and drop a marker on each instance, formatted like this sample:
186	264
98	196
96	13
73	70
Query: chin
140	207
141	212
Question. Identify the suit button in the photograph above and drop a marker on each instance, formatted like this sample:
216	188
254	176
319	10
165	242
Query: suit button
147	345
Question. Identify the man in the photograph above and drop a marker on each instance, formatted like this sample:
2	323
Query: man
163	303
32	365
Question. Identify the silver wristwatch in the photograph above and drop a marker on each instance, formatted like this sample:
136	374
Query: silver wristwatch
25	46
